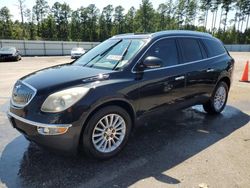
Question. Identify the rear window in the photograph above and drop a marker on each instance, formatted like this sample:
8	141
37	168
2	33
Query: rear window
213	47
190	50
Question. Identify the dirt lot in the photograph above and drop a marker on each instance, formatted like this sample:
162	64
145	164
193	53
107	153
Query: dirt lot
190	149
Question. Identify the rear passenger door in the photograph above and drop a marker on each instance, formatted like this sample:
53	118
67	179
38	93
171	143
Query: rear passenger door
194	62
216	61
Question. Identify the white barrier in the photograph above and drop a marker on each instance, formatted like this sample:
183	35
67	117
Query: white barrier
238	47
46	48
49	48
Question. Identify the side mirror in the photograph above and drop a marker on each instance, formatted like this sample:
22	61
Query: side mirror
152	62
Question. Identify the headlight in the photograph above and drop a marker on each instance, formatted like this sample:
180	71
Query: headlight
64	99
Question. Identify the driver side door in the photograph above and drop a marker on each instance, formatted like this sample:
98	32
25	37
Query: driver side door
161	87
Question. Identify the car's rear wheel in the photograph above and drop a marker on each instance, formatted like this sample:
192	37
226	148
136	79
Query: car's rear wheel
218	100
106	132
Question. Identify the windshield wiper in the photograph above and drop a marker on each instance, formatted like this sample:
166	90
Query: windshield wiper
123	55
103	53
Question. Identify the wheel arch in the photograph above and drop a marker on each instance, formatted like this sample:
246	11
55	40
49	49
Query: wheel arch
115	102
226	80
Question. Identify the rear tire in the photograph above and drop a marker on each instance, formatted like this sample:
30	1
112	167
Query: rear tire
218	100
107	132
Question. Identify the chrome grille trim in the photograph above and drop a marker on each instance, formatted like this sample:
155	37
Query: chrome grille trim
31	96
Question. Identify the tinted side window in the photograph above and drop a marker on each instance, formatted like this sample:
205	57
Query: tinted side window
190	49
213	47
166	50
203	49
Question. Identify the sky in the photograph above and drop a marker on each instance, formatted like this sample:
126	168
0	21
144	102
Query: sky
74	4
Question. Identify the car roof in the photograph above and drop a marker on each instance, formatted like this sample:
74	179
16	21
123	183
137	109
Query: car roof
164	34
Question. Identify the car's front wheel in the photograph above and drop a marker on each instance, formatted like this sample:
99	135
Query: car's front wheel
218	99
106	132
17	58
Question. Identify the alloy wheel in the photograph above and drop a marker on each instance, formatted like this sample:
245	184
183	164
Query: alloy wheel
220	98
109	133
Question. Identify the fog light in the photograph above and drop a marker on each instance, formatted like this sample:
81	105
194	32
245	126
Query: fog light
52	130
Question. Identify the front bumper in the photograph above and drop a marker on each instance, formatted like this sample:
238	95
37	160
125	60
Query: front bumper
67	142
75	56
6	58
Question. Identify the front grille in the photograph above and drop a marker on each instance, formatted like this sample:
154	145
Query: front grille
22	94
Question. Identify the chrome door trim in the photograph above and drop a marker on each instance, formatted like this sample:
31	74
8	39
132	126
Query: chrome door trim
210	70
180	78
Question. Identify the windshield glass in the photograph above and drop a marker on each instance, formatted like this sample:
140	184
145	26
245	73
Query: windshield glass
12	49
111	54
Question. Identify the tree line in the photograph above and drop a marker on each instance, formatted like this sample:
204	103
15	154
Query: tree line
60	22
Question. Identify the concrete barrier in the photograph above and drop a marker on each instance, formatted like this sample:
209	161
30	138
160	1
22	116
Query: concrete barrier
50	48
238	47
46	48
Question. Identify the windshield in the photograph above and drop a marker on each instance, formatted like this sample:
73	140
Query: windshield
111	54
12	49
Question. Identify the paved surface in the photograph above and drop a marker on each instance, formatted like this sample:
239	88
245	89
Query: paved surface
188	149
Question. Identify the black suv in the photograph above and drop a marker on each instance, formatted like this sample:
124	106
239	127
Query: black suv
94	102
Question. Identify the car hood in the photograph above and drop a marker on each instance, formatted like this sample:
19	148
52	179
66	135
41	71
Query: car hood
63	76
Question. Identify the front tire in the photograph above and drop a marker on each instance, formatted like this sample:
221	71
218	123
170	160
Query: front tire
106	132
17	58
218	100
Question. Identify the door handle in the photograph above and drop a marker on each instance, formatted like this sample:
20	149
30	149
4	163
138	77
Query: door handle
210	70
180	78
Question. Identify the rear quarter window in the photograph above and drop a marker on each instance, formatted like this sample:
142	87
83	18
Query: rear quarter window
214	47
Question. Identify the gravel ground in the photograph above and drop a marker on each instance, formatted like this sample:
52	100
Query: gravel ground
188	149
